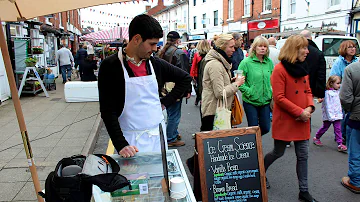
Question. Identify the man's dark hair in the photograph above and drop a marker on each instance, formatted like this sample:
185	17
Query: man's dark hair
145	25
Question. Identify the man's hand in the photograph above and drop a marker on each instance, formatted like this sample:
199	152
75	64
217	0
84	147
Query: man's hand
163	107
128	151
320	100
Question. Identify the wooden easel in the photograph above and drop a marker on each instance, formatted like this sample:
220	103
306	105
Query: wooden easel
37	78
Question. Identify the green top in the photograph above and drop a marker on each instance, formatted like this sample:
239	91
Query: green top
257	87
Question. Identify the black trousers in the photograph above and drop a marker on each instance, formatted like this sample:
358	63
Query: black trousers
207	123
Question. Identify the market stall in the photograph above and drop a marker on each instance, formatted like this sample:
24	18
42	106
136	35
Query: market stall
149	166
106	36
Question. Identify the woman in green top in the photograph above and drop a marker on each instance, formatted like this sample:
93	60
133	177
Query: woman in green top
256	91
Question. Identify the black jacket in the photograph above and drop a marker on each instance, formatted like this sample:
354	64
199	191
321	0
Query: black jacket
111	84
236	58
317	70
88	68
81	54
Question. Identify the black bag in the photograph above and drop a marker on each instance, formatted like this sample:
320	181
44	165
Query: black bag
78	187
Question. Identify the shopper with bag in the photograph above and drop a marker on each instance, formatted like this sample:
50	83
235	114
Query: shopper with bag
218	88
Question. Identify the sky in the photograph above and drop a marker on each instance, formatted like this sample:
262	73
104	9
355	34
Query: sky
113	14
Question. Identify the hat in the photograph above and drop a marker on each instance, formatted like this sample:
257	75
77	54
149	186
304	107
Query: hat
173	35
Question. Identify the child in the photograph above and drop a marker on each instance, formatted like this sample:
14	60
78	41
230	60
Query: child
331	112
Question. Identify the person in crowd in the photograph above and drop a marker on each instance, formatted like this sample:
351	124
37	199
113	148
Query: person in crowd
192	52
293	106
273	51
174	55
130	104
66	61
316	66
238	55
347	51
350	101
256	91
88	67
81	54
216	78
331	112
203	47
90	49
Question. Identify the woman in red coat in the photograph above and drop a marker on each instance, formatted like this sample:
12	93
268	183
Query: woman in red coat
293	105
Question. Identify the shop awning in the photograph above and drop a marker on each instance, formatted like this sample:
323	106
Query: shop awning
107	35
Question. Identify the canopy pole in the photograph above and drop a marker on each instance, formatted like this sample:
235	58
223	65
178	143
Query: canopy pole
19	113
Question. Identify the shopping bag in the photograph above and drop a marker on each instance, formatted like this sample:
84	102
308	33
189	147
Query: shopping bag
222	119
237	112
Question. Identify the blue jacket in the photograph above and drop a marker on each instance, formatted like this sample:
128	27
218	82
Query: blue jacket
236	58
339	66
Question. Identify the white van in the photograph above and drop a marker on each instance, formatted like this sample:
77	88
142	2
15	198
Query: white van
329	45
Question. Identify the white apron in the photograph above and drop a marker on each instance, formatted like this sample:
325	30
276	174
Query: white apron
142	111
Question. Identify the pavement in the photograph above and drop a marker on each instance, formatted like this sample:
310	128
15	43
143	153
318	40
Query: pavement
56	130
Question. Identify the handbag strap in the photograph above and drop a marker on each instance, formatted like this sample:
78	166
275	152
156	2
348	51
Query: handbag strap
224	98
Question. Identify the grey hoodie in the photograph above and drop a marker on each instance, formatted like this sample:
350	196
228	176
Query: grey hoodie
350	91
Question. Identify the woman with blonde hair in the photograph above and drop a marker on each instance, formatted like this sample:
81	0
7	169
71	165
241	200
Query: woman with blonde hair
203	48
293	106
216	78
347	51
256	91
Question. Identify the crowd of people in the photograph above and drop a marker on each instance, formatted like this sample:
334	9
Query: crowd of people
281	84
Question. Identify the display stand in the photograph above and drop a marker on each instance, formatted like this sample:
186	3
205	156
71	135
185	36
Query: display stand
37	78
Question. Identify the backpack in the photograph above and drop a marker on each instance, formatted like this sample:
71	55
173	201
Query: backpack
70	182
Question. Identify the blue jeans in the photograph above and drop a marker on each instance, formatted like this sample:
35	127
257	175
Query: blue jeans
353	145
344	129
258	116
65	68
173	115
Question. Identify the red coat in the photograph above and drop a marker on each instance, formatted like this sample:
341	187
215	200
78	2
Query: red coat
194	66
291	96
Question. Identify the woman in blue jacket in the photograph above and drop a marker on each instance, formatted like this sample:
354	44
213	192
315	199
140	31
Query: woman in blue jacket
347	56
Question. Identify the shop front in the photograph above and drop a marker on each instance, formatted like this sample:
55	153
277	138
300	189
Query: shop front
259	27
4	85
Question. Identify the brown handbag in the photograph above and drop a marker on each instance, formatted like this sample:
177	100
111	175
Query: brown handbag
237	112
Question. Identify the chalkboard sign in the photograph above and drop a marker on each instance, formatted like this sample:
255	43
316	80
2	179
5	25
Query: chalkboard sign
231	165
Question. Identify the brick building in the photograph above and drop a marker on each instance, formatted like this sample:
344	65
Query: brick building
251	17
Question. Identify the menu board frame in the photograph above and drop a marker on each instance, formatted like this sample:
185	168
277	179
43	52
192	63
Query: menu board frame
201	136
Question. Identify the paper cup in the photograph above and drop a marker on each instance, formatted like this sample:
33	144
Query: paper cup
238	72
177	188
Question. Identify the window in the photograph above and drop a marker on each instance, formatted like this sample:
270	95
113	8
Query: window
292	6
194	2
334	2
231	9
60	21
204	20
194	22
68	16
204	1
216	19
247	7
332	45
267	5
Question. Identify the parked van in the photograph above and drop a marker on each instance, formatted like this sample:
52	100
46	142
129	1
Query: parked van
329	45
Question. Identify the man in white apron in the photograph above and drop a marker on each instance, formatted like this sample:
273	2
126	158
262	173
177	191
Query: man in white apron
129	90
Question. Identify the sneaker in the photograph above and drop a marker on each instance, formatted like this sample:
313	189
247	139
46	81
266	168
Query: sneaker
288	145
305	196
342	148
345	181
179	137
176	143
317	142
193	136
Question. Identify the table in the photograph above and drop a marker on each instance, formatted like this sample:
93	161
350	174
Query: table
150	163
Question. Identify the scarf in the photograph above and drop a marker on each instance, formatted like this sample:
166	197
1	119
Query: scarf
299	69
222	53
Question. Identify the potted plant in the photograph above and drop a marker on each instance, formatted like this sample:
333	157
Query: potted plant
37	50
30	62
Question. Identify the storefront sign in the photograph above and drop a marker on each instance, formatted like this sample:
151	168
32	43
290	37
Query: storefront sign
196	37
328	25
181	27
265	24
231	165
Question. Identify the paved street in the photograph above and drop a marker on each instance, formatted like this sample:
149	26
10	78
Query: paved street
326	164
56	130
